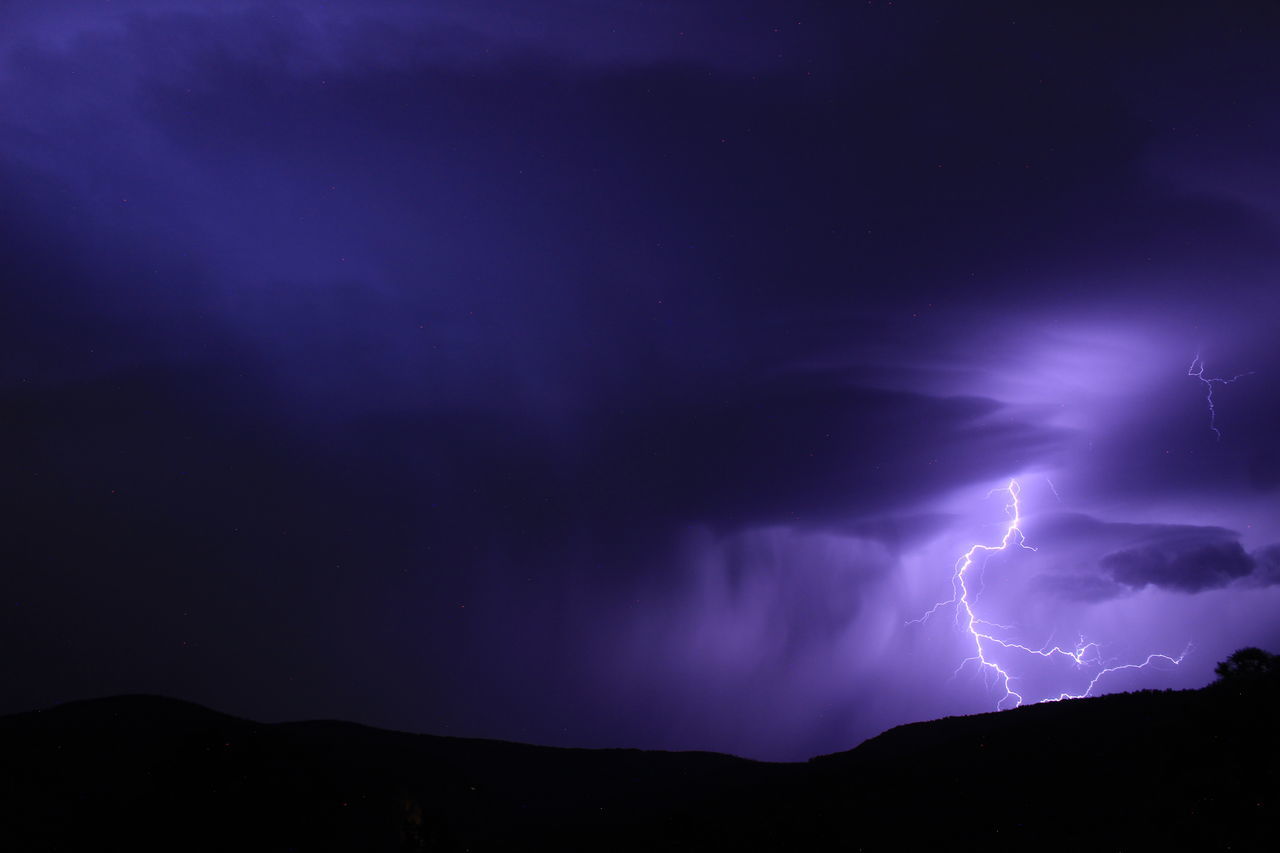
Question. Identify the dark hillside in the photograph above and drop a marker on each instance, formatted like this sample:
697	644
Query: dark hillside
1196	769
1193	769
158	773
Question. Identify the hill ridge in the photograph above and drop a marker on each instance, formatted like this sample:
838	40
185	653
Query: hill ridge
151	769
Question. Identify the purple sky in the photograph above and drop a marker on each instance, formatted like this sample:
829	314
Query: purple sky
630	373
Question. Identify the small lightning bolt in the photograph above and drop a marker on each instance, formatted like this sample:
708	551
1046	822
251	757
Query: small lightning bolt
1197	370
983	631
1053	489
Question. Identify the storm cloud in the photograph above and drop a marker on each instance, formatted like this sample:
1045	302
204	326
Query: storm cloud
1186	567
628	373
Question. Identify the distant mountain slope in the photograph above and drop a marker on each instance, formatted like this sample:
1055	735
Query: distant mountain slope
1195	769
1190	770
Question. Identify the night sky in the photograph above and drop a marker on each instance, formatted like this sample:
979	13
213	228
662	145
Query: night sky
630	373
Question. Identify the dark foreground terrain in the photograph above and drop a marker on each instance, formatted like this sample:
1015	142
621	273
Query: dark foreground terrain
1193	770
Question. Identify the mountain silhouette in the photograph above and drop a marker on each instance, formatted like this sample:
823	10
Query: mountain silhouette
1196	769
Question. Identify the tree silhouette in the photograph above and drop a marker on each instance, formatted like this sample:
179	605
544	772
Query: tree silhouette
1248	666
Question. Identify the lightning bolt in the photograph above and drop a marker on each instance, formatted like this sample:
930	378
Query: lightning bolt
1197	370
1053	489
986	634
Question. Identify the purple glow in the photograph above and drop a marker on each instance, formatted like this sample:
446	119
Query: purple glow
979	629
625	375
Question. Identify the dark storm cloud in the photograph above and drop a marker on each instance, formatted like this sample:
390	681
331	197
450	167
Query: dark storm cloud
1267	561
1181	558
1182	566
817	452
332	108
286	147
791	450
399	343
741	38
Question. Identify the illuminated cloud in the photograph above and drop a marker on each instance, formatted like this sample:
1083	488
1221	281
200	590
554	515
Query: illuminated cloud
626	374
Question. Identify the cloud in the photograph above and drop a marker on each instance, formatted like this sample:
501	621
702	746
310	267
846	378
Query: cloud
1180	565
326	322
1097	560
810	449
1083	587
1266	566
